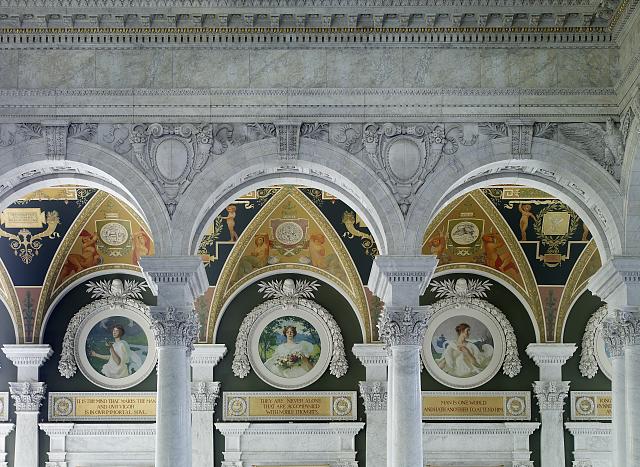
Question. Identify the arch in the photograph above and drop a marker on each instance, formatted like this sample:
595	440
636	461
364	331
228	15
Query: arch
75	283
26	168
257	164
630	182
554	168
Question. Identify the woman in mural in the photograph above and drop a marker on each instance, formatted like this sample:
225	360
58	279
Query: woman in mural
121	361
290	359
141	245
88	258
463	358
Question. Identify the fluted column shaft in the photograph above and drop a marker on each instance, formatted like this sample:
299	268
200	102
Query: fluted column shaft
612	333
400	281
177	281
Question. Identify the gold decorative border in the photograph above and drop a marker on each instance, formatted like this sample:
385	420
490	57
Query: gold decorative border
572	289
61	255
223	290
12	302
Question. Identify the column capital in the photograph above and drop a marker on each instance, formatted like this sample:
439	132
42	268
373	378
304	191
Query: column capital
204	395
630	327
550	357
551	394
176	280
27	358
374	395
613	334
617	282
403	325
174	327
56	429
401	280
27	395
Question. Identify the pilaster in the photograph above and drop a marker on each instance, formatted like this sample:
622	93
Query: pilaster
57	433
5	429
551	392
27	358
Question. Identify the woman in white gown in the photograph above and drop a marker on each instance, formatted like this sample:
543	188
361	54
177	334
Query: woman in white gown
290	359
120	355
462	358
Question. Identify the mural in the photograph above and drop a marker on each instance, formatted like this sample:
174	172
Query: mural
287	227
111	235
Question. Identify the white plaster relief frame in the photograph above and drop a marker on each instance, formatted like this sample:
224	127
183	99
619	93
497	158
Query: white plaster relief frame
464	297
4	406
114	298
593	354
287	300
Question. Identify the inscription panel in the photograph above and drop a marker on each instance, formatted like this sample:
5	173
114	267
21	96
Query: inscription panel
476	405
102	406
590	405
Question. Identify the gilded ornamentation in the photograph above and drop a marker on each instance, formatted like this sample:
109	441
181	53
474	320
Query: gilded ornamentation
25	244
350	219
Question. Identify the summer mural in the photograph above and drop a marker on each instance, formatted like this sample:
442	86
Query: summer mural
289	346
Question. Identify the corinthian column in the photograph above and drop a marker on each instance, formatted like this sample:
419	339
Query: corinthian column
551	391
400	281
613	334
631	334
27	394
177	281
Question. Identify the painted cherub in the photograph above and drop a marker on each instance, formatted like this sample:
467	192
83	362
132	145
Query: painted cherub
231	222
525	210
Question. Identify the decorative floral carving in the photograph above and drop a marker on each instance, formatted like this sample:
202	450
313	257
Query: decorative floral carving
468	292
110	294
27	245
374	395
551	394
404	155
588	362
27	396
287	293
204	395
403	325
175	328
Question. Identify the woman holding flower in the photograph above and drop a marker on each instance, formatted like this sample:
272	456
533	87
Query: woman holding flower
291	359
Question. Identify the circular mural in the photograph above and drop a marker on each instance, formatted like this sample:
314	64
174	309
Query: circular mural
289	349
463	347
115	349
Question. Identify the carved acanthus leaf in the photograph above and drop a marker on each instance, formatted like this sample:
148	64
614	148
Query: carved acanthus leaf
588	362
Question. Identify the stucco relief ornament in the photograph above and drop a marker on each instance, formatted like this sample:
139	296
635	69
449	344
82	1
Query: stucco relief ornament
461	301
604	145
589	358
264	343
27	396
404	155
403	325
172	155
91	331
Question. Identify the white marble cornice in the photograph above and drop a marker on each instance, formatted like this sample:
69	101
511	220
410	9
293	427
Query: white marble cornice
589	428
207	355
27	355
467	429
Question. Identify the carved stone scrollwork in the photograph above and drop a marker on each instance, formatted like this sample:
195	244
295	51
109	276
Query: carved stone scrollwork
374	395
204	395
288	136
404	155
403	325
588	362
551	394
521	132
27	396
172	155
175	327
55	137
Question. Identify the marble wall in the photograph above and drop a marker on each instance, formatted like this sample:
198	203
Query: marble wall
311	67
